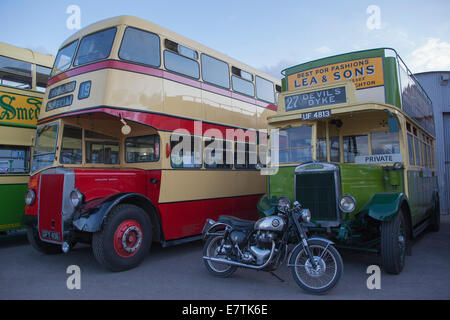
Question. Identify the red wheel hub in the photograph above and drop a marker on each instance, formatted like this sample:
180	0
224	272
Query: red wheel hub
128	238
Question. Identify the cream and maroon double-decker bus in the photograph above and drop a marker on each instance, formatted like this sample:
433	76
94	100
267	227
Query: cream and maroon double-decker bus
107	168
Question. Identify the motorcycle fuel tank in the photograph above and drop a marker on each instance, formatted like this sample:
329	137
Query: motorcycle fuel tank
272	223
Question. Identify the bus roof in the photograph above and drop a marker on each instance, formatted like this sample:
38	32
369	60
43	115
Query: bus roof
27	55
149	26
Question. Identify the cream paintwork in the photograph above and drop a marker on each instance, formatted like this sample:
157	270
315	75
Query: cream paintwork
14	179
142	92
185	185
16	136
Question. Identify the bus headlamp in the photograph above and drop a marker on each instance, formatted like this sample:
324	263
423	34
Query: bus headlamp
76	197
30	197
347	203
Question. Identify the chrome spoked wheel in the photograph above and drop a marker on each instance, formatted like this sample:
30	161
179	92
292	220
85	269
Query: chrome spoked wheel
320	276
214	248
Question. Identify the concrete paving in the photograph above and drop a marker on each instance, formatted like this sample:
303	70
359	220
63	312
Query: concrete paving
178	273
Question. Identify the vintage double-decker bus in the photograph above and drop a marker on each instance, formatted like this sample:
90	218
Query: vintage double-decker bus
356	147
106	168
23	77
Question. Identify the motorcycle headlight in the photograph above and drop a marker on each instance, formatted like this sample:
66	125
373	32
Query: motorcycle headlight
347	203
30	197
76	197
283	205
306	215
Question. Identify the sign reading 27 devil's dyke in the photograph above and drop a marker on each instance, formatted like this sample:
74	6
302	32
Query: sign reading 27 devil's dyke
365	73
17	109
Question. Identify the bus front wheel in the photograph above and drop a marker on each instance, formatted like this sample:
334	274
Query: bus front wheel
125	239
39	245
393	244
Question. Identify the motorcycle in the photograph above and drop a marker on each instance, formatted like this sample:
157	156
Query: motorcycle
231	243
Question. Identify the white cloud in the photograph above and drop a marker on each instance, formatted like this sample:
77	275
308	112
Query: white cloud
323	50
432	56
275	70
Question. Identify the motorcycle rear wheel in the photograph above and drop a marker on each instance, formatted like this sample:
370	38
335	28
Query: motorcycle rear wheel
325	276
211	249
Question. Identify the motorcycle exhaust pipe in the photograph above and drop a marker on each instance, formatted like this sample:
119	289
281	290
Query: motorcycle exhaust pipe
244	265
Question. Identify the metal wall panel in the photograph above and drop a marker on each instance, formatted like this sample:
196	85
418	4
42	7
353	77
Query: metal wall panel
438	89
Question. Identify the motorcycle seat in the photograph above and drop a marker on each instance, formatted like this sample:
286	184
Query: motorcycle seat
237	223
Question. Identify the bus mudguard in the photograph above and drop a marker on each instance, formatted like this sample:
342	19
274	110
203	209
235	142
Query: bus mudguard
385	206
92	215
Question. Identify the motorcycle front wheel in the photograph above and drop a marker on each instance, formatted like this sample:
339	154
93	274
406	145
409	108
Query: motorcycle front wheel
327	271
212	249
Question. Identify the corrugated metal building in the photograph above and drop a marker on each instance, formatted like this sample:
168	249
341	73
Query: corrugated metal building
437	86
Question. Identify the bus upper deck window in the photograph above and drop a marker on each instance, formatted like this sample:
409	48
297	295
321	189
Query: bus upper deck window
141	47
42	76
265	90
64	58
96	46
15	73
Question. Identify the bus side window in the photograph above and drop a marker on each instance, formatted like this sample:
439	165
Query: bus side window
42	76
417	151
385	143
216	153
14	159
215	71
355	146
265	90
242	82
245	155
186	151
15	73
411	149
141	47
71	145
142	149
102	152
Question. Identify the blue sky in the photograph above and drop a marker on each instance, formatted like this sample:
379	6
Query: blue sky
268	35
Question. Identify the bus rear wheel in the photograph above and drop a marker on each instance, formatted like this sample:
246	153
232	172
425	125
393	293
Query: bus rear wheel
125	239
394	244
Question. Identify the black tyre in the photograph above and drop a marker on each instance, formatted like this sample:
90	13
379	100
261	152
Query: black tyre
125	239
212	250
393	244
325	276
435	218
39	245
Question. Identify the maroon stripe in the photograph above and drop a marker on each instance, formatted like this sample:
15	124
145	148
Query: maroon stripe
158	121
126	66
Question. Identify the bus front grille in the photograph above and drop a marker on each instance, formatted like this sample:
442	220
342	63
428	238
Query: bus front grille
317	192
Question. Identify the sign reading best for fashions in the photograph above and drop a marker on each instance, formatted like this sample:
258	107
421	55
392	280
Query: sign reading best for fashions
365	73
